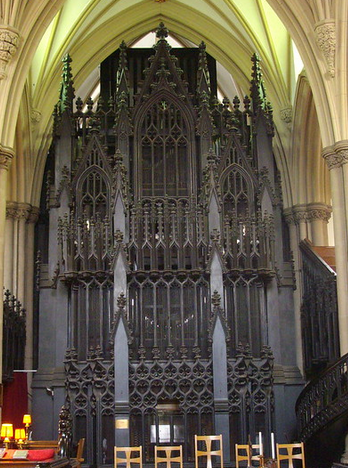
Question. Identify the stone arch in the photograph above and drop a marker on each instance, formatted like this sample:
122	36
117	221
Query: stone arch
309	172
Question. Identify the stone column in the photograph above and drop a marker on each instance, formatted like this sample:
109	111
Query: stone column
16	275
318	214
300	218
22	265
6	155
9	242
336	157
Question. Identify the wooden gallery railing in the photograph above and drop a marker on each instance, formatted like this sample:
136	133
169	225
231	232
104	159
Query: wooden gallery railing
319	314
323	400
14	333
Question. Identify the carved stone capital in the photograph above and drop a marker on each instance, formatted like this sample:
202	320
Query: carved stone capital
307	213
289	216
9	39
6	155
286	114
318	211
325	33
337	155
17	210
299	213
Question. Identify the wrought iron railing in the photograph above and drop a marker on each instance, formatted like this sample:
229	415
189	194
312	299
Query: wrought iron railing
14	335
323	400
319	313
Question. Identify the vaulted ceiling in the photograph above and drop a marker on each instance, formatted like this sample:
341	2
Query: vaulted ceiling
90	30
233	31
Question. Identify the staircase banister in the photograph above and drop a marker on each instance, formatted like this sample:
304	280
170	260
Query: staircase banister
314	397
319	378
307	247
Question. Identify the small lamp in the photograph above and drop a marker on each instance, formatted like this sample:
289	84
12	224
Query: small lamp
6	433
27	422
19	437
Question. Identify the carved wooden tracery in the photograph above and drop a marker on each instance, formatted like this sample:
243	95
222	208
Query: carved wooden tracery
163	181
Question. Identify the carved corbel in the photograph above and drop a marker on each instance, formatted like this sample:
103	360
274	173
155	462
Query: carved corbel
33	215
35	116
325	33
286	115
6	155
9	39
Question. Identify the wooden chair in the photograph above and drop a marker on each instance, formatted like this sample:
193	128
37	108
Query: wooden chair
79	452
131	455
255	452
209	452
245	452
292	452
169	455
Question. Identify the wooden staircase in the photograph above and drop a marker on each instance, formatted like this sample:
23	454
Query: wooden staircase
322	407
326	253
322	412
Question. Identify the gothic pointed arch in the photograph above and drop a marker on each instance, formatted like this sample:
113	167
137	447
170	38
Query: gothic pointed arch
238	191
164	154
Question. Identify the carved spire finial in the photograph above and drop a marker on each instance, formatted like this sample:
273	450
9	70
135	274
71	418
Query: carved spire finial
256	89
122	72
162	32
121	301
67	92
258	94
203	78
216	299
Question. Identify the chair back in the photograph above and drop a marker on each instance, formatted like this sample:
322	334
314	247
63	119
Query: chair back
168	455
126	456
248	453
243	454
255	452
209	451
289	453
